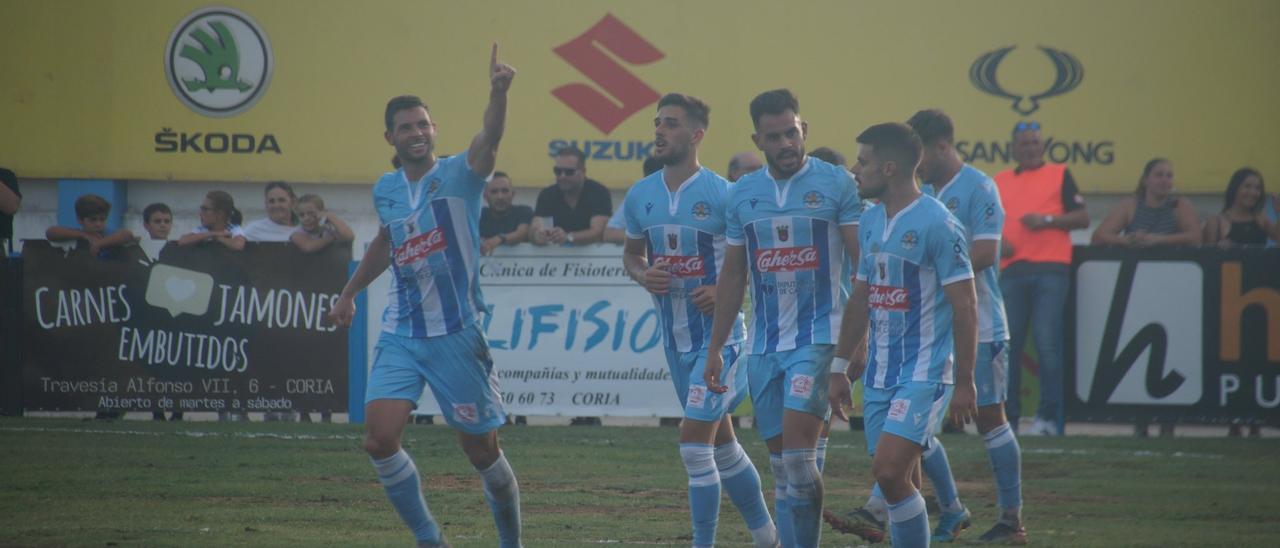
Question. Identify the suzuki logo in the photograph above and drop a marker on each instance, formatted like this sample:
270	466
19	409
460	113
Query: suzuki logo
1068	70
1115	333
627	94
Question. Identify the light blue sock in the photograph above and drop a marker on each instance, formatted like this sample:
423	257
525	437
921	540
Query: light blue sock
782	506
741	480
704	491
938	468
804	495
909	522
877	505
822	453
1006	463
503	493
400	480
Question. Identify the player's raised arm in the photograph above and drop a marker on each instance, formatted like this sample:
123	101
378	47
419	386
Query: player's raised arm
483	154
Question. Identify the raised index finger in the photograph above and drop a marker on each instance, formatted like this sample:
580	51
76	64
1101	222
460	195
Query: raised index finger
493	56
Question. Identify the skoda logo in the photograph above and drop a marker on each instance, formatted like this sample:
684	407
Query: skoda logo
218	62
1068	74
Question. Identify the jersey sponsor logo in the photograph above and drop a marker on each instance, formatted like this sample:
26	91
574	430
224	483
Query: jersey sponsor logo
418	247
813	199
466	413
787	259
802	386
910	239
898	409
697	397
682	266
887	297
595	53
701	211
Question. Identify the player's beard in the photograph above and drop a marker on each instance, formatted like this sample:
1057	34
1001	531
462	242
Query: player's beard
675	155
785	174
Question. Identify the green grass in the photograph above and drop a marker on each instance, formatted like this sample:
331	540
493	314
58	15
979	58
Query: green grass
134	483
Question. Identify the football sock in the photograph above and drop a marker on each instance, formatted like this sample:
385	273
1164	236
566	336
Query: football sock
782	506
822	453
804	494
503	494
704	491
740	479
938	468
1006	463
400	480
909	522
877	505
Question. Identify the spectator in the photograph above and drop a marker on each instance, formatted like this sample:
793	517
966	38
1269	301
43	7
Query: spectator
1153	216
829	156
157	219
219	222
741	164
91	212
1042	204
319	227
1243	220
574	210
615	231
281	221
502	223
1273	214
10	202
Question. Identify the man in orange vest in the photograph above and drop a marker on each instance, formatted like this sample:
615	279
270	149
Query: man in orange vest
1042	204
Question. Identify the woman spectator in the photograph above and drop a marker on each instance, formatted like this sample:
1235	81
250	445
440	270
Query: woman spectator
1243	220
281	220
219	222
1153	216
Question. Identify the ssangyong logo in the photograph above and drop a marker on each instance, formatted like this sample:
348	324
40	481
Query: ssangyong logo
887	297
418	247
682	266
1068	73
787	259
218	61
593	53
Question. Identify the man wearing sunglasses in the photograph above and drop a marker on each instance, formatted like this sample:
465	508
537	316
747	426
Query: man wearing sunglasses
575	209
1042	205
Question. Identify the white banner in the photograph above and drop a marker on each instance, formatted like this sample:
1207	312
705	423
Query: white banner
570	333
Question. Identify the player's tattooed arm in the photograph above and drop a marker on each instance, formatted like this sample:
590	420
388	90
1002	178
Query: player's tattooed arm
483	154
964	327
730	289
377	257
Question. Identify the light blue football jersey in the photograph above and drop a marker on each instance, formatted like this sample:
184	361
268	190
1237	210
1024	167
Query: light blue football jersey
975	201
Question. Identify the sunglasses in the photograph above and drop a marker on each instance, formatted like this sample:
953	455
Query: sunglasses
566	171
1026	126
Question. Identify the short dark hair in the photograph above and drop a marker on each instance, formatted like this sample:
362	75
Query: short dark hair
775	101
403	102
694	108
152	209
571	150
651	165
933	125
281	185
222	201
828	155
1237	179
894	142
90	205
502	174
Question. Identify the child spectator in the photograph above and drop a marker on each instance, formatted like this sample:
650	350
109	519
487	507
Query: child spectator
319	228
157	219
91	212
219	222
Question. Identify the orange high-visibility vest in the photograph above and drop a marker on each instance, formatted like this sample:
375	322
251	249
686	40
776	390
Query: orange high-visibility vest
1038	191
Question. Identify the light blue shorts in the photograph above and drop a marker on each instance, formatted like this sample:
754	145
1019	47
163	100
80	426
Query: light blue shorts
791	379
699	403
457	367
991	373
911	410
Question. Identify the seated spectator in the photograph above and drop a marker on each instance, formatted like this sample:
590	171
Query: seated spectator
219	222
574	210
1243	220
829	156
502	223
1153	216
280	203
10	202
319	228
615	231
91	212
741	164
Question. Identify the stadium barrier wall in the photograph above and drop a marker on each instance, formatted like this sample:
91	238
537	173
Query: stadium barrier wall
1188	334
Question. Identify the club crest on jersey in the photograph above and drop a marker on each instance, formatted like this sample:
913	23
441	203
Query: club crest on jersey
953	204
673	241
433	186
754	201
648	206
883	273
701	211
418	247
887	297
910	239
784	233
787	259
813	199
682	266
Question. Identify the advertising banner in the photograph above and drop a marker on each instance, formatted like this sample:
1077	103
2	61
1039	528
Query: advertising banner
193	329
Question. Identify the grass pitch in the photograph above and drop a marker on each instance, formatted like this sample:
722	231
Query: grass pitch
135	483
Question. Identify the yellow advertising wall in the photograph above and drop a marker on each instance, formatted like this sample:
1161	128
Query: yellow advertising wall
85	92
